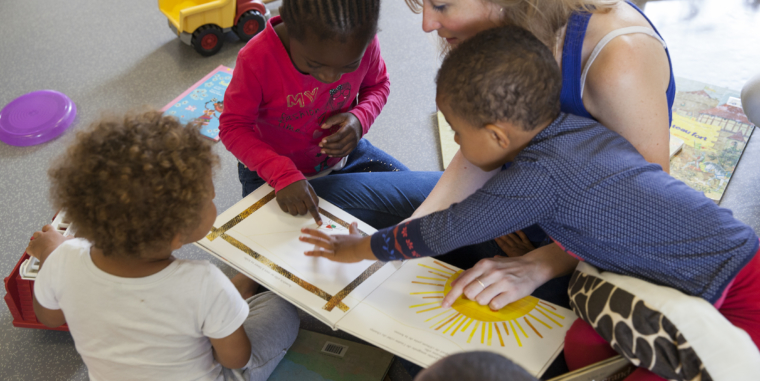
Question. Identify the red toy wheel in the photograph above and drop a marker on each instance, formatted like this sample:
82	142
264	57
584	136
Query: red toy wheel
208	40
249	25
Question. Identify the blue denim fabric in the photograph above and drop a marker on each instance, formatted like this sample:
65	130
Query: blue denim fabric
364	158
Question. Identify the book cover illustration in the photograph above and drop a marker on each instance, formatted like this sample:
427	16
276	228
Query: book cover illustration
711	122
203	102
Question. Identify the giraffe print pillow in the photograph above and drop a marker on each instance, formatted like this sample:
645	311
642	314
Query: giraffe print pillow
676	336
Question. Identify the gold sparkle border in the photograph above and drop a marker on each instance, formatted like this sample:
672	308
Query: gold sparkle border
332	301
285	273
240	217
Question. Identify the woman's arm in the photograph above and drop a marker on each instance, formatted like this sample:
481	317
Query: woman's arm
460	179
625	91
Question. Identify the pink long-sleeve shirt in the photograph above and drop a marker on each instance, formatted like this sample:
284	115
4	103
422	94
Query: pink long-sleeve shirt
272	112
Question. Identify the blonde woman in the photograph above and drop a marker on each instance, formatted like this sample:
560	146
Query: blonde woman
615	69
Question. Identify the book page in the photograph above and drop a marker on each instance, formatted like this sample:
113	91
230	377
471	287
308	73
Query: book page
404	316
257	238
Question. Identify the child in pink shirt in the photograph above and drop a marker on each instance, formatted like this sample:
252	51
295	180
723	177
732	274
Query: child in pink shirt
303	94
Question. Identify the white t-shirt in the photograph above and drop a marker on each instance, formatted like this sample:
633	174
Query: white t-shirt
151	328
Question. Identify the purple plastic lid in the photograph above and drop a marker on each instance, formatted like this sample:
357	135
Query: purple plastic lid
36	117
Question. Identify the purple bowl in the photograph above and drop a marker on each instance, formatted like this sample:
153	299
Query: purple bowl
36	117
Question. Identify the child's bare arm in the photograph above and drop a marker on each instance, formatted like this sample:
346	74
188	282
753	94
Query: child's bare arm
42	244
51	318
233	351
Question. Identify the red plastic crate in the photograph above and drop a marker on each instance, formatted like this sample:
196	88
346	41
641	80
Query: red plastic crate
20	302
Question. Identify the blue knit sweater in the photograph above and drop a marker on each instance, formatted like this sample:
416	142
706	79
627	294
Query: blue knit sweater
596	196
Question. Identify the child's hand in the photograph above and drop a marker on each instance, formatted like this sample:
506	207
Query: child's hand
345	248
298	199
343	141
515	244
44	242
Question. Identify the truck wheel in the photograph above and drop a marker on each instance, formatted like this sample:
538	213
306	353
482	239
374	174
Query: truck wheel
249	25
207	40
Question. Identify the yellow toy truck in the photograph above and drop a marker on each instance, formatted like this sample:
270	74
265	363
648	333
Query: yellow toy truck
203	23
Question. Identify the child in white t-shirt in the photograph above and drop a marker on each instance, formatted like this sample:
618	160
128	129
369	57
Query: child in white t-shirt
137	189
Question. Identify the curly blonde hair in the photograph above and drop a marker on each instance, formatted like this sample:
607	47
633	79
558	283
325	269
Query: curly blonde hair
543	18
133	184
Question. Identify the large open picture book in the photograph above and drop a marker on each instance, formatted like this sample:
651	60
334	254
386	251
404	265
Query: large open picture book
395	305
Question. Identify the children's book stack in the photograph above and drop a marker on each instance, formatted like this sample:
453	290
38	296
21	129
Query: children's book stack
203	102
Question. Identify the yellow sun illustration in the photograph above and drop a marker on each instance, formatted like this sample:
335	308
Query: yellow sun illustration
512	319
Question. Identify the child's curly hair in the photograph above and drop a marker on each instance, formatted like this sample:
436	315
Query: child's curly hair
131	185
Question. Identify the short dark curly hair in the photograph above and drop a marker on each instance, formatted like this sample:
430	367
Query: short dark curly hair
130	185
501	74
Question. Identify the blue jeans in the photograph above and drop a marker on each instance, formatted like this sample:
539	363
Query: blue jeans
364	158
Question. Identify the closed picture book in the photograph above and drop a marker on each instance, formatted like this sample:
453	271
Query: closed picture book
395	305
203	102
712	124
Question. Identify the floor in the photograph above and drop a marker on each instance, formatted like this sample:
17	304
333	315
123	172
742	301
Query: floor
118	56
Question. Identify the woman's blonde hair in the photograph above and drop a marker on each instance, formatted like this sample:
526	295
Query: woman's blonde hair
543	18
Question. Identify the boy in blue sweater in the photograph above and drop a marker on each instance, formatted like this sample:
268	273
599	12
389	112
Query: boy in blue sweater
584	185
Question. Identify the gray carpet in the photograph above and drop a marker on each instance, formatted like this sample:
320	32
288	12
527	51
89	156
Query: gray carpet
110	56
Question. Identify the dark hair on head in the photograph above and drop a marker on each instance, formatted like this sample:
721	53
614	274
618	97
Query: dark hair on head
131	185
331	19
475	366
503	74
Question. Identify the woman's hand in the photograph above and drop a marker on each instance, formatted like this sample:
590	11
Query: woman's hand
343	141
345	248
499	281
496	282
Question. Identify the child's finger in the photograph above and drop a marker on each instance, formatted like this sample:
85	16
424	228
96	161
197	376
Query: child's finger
338	119
310	205
339	143
283	205
522	236
315	233
292	209
316	241
336	137
354	228
46	228
321	253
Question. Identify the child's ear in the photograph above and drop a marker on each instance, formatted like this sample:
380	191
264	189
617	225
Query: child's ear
499	135
177	241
